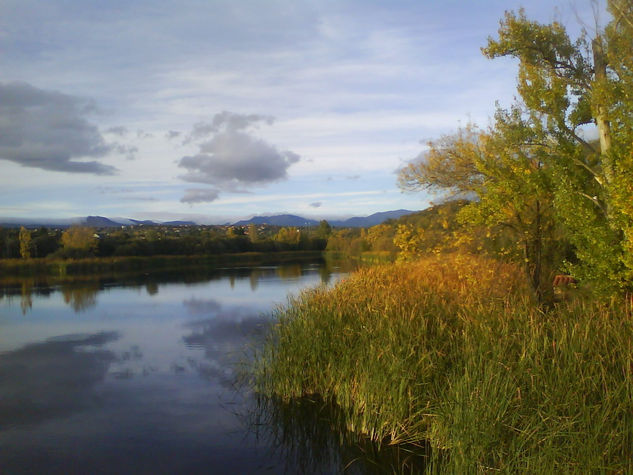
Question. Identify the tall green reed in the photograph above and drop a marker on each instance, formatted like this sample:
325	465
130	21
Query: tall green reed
454	351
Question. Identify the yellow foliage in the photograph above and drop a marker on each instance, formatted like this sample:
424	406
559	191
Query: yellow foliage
79	237
289	235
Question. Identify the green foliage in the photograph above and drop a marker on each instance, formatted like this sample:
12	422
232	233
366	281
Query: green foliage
324	230
45	242
349	241
78	242
532	173
564	84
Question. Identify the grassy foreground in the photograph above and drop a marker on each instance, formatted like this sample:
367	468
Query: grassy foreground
452	350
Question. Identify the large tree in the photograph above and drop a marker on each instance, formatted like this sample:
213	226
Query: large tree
569	87
503	173
537	169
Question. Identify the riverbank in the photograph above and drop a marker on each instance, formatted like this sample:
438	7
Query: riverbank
62	268
453	351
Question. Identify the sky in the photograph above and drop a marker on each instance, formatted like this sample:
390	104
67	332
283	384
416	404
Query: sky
213	110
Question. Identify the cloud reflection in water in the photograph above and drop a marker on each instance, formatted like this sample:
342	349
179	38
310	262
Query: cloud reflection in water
56	377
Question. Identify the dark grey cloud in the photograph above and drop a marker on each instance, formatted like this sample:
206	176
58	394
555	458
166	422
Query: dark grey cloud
316	204
49	130
230	158
172	134
197	195
235	159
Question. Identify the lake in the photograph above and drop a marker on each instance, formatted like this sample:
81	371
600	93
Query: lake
139	375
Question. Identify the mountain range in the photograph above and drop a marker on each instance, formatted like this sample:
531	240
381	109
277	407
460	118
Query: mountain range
275	220
356	222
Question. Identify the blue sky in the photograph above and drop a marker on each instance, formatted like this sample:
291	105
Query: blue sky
219	110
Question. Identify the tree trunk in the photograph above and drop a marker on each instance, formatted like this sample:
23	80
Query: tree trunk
600	110
538	254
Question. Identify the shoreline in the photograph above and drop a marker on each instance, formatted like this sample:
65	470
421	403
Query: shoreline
60	269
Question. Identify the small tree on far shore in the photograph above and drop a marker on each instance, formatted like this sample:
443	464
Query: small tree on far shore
25	243
79	240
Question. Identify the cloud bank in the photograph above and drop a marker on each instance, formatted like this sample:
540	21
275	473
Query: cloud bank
231	158
49	130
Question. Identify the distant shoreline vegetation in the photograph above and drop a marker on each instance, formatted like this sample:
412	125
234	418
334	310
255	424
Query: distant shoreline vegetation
79	242
16	269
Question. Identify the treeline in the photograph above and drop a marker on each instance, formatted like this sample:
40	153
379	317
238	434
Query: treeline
80	241
433	229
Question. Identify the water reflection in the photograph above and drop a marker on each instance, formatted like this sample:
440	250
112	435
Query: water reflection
289	272
225	341
142	379
43	380
198	307
151	287
81	292
80	297
310	436
26	301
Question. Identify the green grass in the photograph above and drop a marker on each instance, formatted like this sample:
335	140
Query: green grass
453	351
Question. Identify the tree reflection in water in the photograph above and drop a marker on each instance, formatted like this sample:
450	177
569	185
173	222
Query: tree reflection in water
26	300
81	297
310	434
289	271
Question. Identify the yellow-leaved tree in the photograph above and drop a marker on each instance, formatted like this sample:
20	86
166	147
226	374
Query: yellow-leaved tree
79	241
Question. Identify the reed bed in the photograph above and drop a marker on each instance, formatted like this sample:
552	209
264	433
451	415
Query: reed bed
452	351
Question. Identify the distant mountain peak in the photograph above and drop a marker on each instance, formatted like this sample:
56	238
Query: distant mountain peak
145	222
99	222
278	220
371	220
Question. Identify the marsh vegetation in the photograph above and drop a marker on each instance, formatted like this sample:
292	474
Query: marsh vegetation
453	351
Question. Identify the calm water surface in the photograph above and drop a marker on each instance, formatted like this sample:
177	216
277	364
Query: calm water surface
138	375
